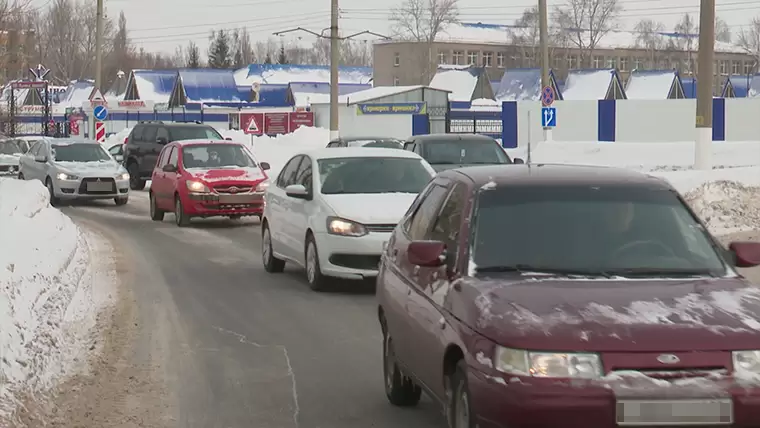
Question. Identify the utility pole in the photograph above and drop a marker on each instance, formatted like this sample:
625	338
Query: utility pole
543	28
98	53
705	64
334	63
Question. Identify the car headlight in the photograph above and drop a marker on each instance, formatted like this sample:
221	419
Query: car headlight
343	227
196	187
64	176
746	362
548	364
123	176
262	187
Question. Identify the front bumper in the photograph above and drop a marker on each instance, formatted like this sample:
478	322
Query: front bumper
91	188
350	257
212	204
526	402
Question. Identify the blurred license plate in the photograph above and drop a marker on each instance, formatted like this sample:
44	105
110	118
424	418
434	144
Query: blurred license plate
99	186
237	199
675	412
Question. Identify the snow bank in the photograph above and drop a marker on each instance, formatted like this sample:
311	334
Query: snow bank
118	137
726	206
48	305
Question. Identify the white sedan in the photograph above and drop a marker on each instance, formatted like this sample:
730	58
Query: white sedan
331	210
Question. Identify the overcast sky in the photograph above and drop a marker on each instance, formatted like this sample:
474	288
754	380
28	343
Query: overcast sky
161	25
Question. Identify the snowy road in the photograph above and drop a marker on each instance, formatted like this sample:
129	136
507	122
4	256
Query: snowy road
222	344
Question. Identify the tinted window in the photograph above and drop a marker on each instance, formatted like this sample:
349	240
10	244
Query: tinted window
149	135
449	221
10	147
372	175
304	174
216	156
590	229
79	152
164	157
178	133
162	133
174	157
425	215
137	134
288	174
464	152
115	150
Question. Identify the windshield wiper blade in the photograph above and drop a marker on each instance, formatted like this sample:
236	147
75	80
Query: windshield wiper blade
661	272
523	268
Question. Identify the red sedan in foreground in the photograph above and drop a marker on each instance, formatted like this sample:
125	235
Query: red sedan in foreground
202	178
552	296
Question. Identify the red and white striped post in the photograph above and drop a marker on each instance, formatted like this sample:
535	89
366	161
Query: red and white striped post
100	132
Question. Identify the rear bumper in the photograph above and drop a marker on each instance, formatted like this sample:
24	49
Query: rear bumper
211	205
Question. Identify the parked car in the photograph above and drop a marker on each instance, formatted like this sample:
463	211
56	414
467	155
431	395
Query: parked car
75	169
207	178
147	139
117	152
447	151
331	210
565	296
11	151
385	142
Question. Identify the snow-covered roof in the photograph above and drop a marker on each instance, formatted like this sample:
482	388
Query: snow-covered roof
207	85
150	85
461	81
654	85
737	86
77	93
523	84
594	84
285	73
21	97
498	34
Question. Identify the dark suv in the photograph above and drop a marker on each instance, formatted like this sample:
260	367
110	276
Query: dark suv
448	151
148	138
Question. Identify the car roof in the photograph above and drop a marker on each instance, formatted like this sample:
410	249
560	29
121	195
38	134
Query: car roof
67	141
433	138
360	152
349	139
200	141
555	174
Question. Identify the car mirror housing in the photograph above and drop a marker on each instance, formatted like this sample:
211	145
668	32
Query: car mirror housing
426	253
747	254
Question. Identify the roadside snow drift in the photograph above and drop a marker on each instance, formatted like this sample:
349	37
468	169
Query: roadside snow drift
47	304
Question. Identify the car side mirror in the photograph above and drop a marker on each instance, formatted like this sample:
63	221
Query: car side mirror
40	158
747	253
169	168
118	158
297	191
265	166
162	140
426	253
518	161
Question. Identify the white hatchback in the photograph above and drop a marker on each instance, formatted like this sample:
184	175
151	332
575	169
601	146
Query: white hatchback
332	210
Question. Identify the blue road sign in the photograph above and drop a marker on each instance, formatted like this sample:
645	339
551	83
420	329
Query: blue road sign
547	96
100	112
549	117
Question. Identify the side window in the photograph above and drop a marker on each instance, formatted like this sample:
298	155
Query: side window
35	148
115	150
161	132
174	157
425	215
409	145
137	134
448	223
163	157
288	174
334	144
304	174
149	135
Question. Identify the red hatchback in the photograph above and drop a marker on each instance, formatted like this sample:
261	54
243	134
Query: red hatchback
202	178
552	296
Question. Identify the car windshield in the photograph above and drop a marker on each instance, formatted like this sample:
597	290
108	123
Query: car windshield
464	152
372	175
11	147
618	230
388	144
79	152
209	156
193	133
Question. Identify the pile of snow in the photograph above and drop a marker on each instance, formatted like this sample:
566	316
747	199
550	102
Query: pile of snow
726	206
117	138
48	305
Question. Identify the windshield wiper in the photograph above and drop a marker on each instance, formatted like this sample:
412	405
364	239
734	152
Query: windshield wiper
661	272
524	268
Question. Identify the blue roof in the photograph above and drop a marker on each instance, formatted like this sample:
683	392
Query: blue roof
149	82
287	73
273	95
739	83
523	84
209	85
689	87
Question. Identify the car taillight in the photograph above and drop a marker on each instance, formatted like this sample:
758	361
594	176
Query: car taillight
126	139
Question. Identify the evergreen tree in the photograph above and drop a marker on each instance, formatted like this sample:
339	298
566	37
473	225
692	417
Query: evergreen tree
282	58
193	55
268	59
219	51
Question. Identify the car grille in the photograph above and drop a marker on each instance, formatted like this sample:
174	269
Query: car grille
687	373
83	186
380	227
228	189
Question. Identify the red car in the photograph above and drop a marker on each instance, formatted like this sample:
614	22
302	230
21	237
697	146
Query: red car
202	178
551	296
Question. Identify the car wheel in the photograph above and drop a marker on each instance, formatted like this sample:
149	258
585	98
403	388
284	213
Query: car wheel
180	217
53	200
135	182
271	263
121	201
317	281
400	390
459	400
156	214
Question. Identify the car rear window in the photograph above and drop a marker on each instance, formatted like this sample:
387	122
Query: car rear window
178	133
372	175
464	152
588	229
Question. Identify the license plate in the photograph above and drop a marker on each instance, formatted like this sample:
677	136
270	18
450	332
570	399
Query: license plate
99	186
238	199
675	412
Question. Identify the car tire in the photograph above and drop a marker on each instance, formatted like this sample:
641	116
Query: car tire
317	281
53	200
135	182
459	406
156	214
400	390
121	201
180	216
271	263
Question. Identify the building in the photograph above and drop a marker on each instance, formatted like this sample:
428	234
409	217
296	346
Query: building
495	47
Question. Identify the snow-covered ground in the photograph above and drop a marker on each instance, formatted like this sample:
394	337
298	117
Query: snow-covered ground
53	284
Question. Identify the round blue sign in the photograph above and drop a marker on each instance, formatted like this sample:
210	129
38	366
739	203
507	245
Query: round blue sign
100	112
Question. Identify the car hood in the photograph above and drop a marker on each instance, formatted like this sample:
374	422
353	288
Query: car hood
9	159
626	315
375	208
86	169
227	174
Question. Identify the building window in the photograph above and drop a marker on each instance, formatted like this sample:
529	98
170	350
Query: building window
527	59
557	61
748	68
441	57
624	63
396	59
611	62
396	81
723	67
487	59
598	61
458	58
663	64
472	58
500	59
638	63
736	67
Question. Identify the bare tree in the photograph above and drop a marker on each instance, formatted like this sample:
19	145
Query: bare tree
422	21
586	22
649	37
525	35
722	31
749	38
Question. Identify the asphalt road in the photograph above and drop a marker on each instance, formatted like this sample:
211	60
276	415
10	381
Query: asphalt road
242	348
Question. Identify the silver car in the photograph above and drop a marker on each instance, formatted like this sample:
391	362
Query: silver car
75	169
11	151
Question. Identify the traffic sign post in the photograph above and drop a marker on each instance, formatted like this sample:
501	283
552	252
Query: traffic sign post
100	132
547	96
548	117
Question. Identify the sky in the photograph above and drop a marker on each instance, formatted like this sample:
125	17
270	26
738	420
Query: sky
162	25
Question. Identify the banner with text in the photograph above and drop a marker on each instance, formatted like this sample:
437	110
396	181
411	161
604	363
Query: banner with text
392	108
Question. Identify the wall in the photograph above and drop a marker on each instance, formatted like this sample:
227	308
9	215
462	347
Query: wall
387	125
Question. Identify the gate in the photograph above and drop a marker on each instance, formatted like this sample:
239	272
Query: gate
28	109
